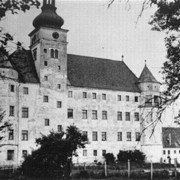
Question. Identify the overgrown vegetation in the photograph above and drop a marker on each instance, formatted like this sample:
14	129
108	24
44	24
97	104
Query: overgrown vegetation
53	157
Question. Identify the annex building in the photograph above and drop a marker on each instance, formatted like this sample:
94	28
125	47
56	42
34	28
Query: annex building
44	89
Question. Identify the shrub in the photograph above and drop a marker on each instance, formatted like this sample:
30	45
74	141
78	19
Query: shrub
133	156
109	157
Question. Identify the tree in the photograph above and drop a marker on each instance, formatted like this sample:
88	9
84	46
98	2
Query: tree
13	6
167	19
53	157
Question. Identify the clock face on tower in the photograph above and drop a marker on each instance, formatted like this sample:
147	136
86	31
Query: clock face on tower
55	35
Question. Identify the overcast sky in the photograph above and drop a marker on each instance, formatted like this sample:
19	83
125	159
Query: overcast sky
98	31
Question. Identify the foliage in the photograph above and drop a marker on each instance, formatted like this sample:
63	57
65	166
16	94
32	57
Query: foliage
109	157
133	156
15	5
53	158
12	6
167	19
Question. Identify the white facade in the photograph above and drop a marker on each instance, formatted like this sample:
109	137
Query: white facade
53	104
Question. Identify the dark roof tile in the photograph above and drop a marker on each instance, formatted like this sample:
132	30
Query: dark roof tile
100	73
22	62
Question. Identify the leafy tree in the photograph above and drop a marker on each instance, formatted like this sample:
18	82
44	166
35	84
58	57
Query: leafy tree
109	157
12	6
53	157
167	19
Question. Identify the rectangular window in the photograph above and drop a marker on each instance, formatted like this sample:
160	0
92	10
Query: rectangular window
84	152
119	136
59	104
103	96
12	88
45	63
85	133
156	100
45	99
94	114
168	151
25	112
24	135
136	99
148	100
70	94
94	152
103	152
119	116
94	95
10	155
59	128
119	97
46	122
94	136
138	136
128	136
104	115
164	152
84	114
11	134
59	86
104	136
25	90
45	78
136	116
59	68
34	54
127	98
84	94
24	153
127	116
70	113
11	110
174	151
45	50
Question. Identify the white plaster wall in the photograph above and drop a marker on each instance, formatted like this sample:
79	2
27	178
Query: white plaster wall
111	125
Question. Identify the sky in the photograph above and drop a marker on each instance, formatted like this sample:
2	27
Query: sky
98	31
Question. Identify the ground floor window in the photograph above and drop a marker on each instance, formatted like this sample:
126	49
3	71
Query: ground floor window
10	155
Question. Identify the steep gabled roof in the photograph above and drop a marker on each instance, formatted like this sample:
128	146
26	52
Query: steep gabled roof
100	73
146	76
171	137
22	62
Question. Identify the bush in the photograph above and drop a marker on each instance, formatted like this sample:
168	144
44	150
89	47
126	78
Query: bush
109	157
133	156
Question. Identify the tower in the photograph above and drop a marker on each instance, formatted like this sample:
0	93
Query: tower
150	125
48	46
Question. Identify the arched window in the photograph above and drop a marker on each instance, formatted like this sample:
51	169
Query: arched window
52	53
56	53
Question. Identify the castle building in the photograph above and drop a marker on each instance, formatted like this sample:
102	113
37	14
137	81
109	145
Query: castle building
45	89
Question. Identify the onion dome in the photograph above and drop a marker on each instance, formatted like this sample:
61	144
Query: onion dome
48	16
